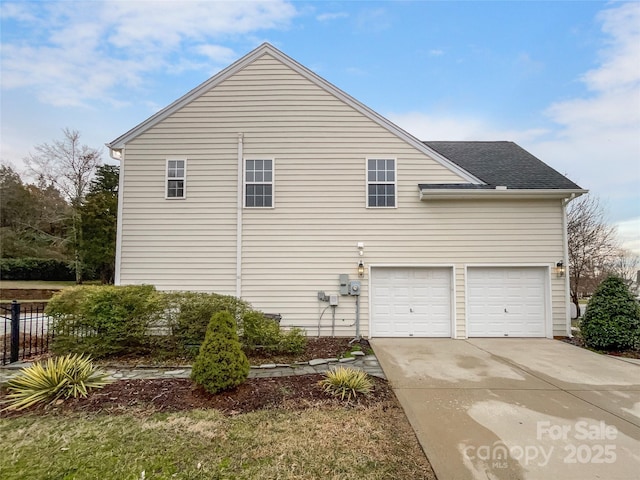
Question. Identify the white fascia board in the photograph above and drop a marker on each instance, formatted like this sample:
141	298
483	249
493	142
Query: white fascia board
490	194
266	48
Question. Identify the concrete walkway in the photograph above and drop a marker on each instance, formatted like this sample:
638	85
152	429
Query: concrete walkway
517	408
368	363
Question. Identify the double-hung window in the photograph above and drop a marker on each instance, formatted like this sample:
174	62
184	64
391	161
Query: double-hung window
258	183
176	178
381	182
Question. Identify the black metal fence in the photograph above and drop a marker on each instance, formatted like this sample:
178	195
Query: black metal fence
26	331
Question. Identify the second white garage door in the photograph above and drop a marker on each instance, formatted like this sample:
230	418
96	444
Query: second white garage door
506	302
410	302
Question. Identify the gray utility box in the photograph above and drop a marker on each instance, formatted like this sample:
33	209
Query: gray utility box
344	284
354	287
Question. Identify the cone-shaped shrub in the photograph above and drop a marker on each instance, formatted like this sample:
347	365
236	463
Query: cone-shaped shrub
612	319
221	363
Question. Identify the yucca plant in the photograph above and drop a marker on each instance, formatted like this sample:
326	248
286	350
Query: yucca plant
346	383
57	378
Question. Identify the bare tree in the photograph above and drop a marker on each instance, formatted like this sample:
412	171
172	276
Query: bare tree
592	243
69	166
624	264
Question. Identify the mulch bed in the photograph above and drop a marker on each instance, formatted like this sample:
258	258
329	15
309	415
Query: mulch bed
579	342
179	394
296	392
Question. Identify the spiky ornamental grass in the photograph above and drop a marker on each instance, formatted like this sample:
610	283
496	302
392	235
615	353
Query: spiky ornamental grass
57	378
346	383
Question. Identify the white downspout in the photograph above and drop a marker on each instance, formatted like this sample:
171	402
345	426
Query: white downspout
565	260
239	217
119	156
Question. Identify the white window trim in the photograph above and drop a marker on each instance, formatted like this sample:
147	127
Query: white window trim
167	178
272	182
366	179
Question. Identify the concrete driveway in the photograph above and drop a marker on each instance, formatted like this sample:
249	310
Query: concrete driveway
517	408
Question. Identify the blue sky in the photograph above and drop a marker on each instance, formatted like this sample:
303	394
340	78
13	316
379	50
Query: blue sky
562	79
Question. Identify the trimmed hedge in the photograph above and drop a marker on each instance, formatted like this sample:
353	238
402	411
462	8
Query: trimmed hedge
35	269
262	333
188	314
106	321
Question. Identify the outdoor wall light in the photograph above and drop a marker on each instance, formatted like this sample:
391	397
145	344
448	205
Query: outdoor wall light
360	269
560	269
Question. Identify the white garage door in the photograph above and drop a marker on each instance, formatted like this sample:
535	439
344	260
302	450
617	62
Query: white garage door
506	302
410	302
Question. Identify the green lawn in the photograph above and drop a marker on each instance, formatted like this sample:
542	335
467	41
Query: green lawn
336	443
34	284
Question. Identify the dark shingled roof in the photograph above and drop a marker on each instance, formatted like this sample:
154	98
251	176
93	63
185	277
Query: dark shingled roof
502	164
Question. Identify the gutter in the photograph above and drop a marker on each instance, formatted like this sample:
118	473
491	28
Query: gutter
565	252
428	194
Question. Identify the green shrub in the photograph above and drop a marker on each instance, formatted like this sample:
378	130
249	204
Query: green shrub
346	382
612	319
258	331
104	320
35	269
188	314
108	321
221	363
58	378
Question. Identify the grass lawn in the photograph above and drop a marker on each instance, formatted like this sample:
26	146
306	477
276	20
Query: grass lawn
318	443
35	284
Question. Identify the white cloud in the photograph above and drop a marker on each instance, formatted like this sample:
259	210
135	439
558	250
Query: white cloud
457	128
527	65
373	20
620	57
74	53
325	17
164	25
16	11
436	52
217	53
596	138
629	233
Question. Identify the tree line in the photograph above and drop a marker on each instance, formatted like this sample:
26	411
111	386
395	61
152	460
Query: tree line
69	211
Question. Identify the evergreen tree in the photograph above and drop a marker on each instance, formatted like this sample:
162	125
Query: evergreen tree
99	213
221	363
612	320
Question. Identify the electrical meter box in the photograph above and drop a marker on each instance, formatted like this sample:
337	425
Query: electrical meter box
344	281
354	287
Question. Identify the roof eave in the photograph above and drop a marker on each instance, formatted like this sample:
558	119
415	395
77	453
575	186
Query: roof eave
427	194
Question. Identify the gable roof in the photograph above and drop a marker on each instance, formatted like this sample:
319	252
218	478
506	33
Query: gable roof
501	164
252	56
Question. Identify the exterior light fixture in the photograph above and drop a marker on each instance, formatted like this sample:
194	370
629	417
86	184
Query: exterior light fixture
360	269
560	269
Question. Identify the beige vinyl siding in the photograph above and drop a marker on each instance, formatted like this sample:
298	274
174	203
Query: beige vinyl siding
315	250
289	253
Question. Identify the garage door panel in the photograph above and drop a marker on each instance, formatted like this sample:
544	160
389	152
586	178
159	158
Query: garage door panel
418	301
506	301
